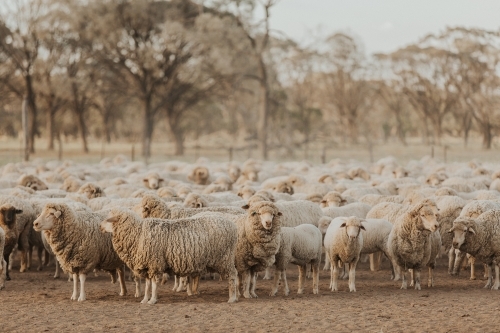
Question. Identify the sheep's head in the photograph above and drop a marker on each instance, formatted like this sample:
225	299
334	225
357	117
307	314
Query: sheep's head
33	182
152	181
426	213
149	205
327	179
199	175
297	180
400	172
8	216
193	200
51	213
353	226
332	199
445	191
71	184
324	223
115	217
246	192
435	179
183	191
166	192
234	172
315	197
461	230
266	213
91	191
283	187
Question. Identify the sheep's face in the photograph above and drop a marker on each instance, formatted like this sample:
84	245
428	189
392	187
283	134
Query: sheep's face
460	233
323	224
107	225
8	215
165	192
266	216
234	173
252	175
246	193
283	188
428	217
91	192
152	182
47	219
353	228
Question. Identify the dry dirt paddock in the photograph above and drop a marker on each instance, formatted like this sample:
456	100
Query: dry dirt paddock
35	302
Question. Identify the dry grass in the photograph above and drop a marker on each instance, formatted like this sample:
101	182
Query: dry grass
10	151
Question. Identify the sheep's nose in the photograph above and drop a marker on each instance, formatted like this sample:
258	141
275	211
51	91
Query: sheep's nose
455	244
36	224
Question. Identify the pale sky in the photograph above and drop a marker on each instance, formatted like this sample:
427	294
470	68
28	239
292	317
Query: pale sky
382	25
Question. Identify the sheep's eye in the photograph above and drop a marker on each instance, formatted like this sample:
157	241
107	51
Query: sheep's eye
254	213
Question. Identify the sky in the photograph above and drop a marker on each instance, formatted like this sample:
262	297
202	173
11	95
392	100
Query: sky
382	25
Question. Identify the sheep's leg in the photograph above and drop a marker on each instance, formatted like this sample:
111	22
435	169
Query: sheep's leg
183	284
302	275
352	276
164	278
267	275
82	287
253	284
3	271
430	280
308	271
451	260
345	274
10	259
327	262
334	277
246	277
472	261
412	277
30	256
7	268
315	268
154	291
46	258
488	282
277	276
121	280
196	283
74	297
176	283
485	274
375	260
189	288
57	274
146	291
40	263
416	273
285	283
497	278
137	280
404	283
459	258
233	286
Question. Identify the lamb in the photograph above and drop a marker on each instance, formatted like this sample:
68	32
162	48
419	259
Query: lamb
32	182
301	245
79	245
479	237
154	207
410	241
258	243
343	242
158	246
3	263
358	209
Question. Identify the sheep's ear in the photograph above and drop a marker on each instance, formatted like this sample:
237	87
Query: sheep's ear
451	230
343	201
161	180
19	211
343	225
145	180
199	205
253	213
57	213
245	207
28	184
279	214
362	227
112	219
323	201
469	229
240	194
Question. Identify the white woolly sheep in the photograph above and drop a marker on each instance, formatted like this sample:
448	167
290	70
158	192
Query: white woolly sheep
32	182
79	245
3	263
357	209
159	246
152	180
343	242
199	175
301	245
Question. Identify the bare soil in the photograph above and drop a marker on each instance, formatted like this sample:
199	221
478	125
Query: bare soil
35	302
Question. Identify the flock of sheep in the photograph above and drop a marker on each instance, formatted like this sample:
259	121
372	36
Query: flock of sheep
190	221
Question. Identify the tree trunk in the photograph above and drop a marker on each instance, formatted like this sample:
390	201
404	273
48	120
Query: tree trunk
179	143
33	129
400	129
83	130
487	135
50	128
148	127
263	111
352	125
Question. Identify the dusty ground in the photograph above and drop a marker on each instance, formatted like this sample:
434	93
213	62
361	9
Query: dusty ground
35	302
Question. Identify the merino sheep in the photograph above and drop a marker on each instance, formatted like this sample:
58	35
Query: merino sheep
71	184
158	246
410	241
199	175
343	242
152	180
32	182
91	191
301	245
258	242
10	233
3	263
79	245
357	209
480	237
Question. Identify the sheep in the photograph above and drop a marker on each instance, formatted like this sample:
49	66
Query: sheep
152	181
199	175
300	245
10	233
410	241
3	263
343	242
32	182
298	212
71	184
79	245
158	246
258	243
373	199
91	191
358	209
333	199
154	207
479	237
246	191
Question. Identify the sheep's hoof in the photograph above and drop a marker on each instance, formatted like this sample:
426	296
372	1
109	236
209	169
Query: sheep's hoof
23	269
81	298
300	291
487	286
352	290
495	287
254	295
123	294
315	291
8	278
152	301
144	301
39	268
472	278
2	287
287	292
232	299
247	295
137	294
417	287
273	293
74	297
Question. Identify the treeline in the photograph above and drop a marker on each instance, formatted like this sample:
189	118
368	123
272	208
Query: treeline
118	69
